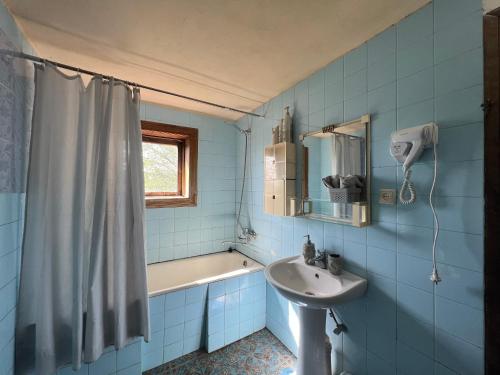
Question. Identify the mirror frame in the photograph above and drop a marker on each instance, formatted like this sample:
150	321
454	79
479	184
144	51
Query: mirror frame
361	211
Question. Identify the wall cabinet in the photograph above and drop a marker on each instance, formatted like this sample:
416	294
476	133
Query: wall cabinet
279	179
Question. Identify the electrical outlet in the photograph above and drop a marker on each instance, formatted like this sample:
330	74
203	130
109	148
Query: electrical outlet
387	196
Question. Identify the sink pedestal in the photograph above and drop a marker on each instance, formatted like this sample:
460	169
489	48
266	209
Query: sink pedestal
314	290
313	358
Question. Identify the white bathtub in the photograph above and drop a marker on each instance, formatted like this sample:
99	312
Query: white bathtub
184	273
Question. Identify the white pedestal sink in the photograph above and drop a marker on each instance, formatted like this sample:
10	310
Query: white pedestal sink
314	290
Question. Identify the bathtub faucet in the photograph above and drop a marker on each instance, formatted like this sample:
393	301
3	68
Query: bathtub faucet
244	238
247	235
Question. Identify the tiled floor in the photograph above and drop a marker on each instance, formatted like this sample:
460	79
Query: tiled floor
260	353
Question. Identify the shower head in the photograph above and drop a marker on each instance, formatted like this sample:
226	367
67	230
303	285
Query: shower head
242	131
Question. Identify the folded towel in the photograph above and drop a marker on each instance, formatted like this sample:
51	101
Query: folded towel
331	182
344	182
352	181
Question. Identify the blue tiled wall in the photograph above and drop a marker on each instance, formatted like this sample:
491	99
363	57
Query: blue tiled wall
9	249
15	112
174	233
428	67
186	320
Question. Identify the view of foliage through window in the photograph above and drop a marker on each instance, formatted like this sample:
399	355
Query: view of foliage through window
160	167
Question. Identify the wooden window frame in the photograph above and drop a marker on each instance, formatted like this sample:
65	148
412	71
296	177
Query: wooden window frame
186	140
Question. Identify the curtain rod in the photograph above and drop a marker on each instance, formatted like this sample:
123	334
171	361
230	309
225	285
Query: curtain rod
36	59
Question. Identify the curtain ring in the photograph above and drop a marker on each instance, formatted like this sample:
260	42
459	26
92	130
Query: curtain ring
43	63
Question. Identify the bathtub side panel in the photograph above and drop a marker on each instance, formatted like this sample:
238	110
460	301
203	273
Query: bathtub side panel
236	309
178	321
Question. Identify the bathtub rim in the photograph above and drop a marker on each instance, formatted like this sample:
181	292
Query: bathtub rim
228	275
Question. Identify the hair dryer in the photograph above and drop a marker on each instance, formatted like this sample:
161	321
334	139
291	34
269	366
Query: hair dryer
408	144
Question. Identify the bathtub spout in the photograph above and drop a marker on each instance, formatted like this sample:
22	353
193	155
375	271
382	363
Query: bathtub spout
233	242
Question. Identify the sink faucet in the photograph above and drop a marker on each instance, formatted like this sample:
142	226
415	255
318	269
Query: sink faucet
321	259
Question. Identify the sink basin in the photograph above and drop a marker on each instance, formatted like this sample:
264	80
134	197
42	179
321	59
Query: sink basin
314	290
311	286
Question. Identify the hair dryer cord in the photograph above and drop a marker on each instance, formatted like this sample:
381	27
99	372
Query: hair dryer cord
407	187
434	275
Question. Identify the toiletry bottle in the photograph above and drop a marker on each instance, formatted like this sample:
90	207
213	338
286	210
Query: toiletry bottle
287	125
309	251
282	131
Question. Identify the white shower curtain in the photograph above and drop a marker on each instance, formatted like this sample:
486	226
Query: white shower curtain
348	156
83	272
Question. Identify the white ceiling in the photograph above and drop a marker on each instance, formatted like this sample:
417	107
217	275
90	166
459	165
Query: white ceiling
489	5
238	53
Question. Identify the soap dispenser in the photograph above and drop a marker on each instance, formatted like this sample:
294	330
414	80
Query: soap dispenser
309	251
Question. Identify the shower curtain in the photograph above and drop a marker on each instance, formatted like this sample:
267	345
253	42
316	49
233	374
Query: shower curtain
348	152
83	271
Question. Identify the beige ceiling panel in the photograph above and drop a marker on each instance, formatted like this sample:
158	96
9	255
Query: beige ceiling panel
238	53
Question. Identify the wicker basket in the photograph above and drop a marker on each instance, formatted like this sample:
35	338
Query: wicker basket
346	195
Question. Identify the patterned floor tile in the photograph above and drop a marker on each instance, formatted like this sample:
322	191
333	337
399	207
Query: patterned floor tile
257	354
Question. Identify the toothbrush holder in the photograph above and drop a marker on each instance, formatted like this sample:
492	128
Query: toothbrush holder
334	264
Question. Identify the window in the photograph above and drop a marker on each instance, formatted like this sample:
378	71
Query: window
170	156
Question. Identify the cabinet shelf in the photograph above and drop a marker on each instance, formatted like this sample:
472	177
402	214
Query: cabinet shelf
280	179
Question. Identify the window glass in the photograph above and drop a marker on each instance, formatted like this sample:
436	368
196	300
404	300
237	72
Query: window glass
161	168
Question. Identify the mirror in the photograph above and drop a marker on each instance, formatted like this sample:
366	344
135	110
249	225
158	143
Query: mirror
336	178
